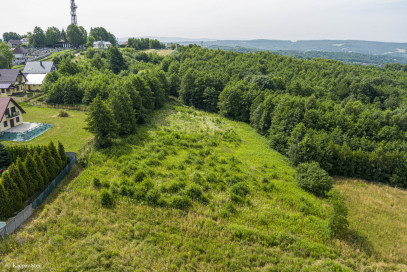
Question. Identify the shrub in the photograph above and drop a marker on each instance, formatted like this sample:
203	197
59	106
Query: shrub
97	183
194	192
63	113
313	179
153	197
139	176
106	199
241	189
236	199
180	202
337	217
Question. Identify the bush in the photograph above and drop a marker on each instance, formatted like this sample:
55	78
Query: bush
153	197
337	217
97	183
194	192
140	175
241	189
63	113
180	202
106	198
313	179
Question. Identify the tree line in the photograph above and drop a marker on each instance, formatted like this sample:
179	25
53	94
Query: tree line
30	170
349	119
145	43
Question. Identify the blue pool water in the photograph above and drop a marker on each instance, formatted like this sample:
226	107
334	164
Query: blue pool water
25	136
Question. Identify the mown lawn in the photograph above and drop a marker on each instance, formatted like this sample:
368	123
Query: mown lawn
68	130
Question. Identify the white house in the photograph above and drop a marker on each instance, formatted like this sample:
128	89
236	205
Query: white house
11	114
14	43
35	72
101	45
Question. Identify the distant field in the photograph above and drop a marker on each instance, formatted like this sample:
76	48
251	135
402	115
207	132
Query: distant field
161	52
379	213
69	131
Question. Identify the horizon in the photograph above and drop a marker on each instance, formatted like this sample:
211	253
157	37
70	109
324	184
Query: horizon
293	20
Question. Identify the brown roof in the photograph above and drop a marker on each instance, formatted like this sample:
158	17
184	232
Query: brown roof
4	101
15	42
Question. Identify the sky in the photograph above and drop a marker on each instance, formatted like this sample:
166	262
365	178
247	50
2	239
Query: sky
374	20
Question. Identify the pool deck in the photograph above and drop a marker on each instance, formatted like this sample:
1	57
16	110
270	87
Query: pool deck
23	127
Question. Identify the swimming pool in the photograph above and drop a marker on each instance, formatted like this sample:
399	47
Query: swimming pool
25	136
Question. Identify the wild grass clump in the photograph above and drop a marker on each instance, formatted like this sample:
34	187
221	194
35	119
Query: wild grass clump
63	113
140	176
180	202
106	199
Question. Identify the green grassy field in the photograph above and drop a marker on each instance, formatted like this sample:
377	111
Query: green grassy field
193	192
379	213
69	131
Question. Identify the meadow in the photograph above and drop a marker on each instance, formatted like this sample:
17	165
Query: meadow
191	191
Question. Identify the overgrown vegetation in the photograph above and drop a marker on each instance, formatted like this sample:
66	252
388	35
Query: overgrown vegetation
190	187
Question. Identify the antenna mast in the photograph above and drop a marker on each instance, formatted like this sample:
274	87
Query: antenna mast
74	19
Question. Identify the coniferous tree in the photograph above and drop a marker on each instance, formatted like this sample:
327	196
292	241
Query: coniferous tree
123	112
55	155
3	156
42	170
32	168
101	122
15	196
62	155
5	205
29	182
18	180
115	59
49	163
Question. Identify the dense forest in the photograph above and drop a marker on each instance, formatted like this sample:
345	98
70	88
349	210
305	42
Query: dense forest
352	120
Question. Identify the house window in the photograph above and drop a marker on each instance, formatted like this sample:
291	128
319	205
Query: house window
5	124
3	91
18	119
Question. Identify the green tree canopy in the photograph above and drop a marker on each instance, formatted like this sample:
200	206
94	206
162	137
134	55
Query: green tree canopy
6	56
115	59
52	36
76	35
101	122
37	39
7	36
101	34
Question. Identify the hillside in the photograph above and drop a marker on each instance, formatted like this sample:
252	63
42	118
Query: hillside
194	191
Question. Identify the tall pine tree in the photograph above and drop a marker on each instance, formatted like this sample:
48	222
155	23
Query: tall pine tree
18	180
49	163
15	196
55	155
42	169
123	112
35	174
62	155
29	182
5	205
3	156
101	122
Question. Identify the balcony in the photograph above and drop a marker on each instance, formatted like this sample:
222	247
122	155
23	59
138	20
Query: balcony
12	114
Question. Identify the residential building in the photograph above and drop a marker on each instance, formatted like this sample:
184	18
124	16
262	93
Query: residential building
35	72
39	67
20	55
25	41
11	82
14	43
101	45
11	114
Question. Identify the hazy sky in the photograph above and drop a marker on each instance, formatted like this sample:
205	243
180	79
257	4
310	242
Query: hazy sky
378	20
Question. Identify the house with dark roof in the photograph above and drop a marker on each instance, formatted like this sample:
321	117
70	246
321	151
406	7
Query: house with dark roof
35	72
11	82
20	55
14	43
11	114
39	67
